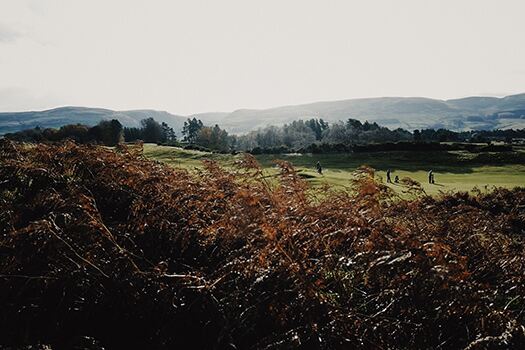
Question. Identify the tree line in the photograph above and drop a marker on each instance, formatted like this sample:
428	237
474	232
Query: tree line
317	136
195	133
151	131
111	132
300	134
312	135
106	132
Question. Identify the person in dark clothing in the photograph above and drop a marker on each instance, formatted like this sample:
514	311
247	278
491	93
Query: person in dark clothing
430	177
388	178
396	179
319	168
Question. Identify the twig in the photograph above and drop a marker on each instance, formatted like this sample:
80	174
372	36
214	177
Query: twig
29	277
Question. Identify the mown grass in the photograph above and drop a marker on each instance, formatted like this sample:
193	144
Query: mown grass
454	171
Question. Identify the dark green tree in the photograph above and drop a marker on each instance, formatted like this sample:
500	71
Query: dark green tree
151	130
168	134
191	129
132	134
108	132
417	135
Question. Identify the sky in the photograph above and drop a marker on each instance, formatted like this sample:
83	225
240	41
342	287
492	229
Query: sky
202	56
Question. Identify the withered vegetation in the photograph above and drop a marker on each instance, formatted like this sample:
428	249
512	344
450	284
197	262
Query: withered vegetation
105	249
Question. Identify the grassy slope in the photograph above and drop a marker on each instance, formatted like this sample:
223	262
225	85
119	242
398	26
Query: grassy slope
453	170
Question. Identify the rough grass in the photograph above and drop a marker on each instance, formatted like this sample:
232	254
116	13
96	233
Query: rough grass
454	171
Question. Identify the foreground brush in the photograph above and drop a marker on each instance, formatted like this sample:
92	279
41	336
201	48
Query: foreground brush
104	249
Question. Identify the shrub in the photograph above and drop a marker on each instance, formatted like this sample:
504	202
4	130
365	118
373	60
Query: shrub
104	248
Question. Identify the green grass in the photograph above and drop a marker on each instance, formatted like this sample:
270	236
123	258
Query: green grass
454	171
181	158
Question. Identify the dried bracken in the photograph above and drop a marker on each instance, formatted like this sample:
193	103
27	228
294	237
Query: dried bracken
105	249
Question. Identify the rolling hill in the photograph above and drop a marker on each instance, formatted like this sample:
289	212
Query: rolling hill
393	112
54	118
470	113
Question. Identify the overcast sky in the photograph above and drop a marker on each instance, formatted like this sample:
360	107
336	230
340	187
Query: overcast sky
196	56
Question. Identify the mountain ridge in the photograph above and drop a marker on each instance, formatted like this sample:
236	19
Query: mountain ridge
467	113
56	117
407	112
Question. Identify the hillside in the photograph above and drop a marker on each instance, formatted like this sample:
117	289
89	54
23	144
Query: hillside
405	112
53	118
471	113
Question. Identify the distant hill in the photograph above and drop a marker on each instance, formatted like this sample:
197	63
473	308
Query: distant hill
471	113
54	118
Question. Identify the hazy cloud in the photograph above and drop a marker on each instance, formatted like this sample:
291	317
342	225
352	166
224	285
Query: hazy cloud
13	99
7	34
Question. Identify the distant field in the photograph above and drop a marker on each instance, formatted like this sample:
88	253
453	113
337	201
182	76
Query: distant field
454	171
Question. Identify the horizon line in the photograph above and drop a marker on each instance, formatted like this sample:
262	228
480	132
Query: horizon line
496	96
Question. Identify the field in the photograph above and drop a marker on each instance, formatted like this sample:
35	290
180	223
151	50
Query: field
454	171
